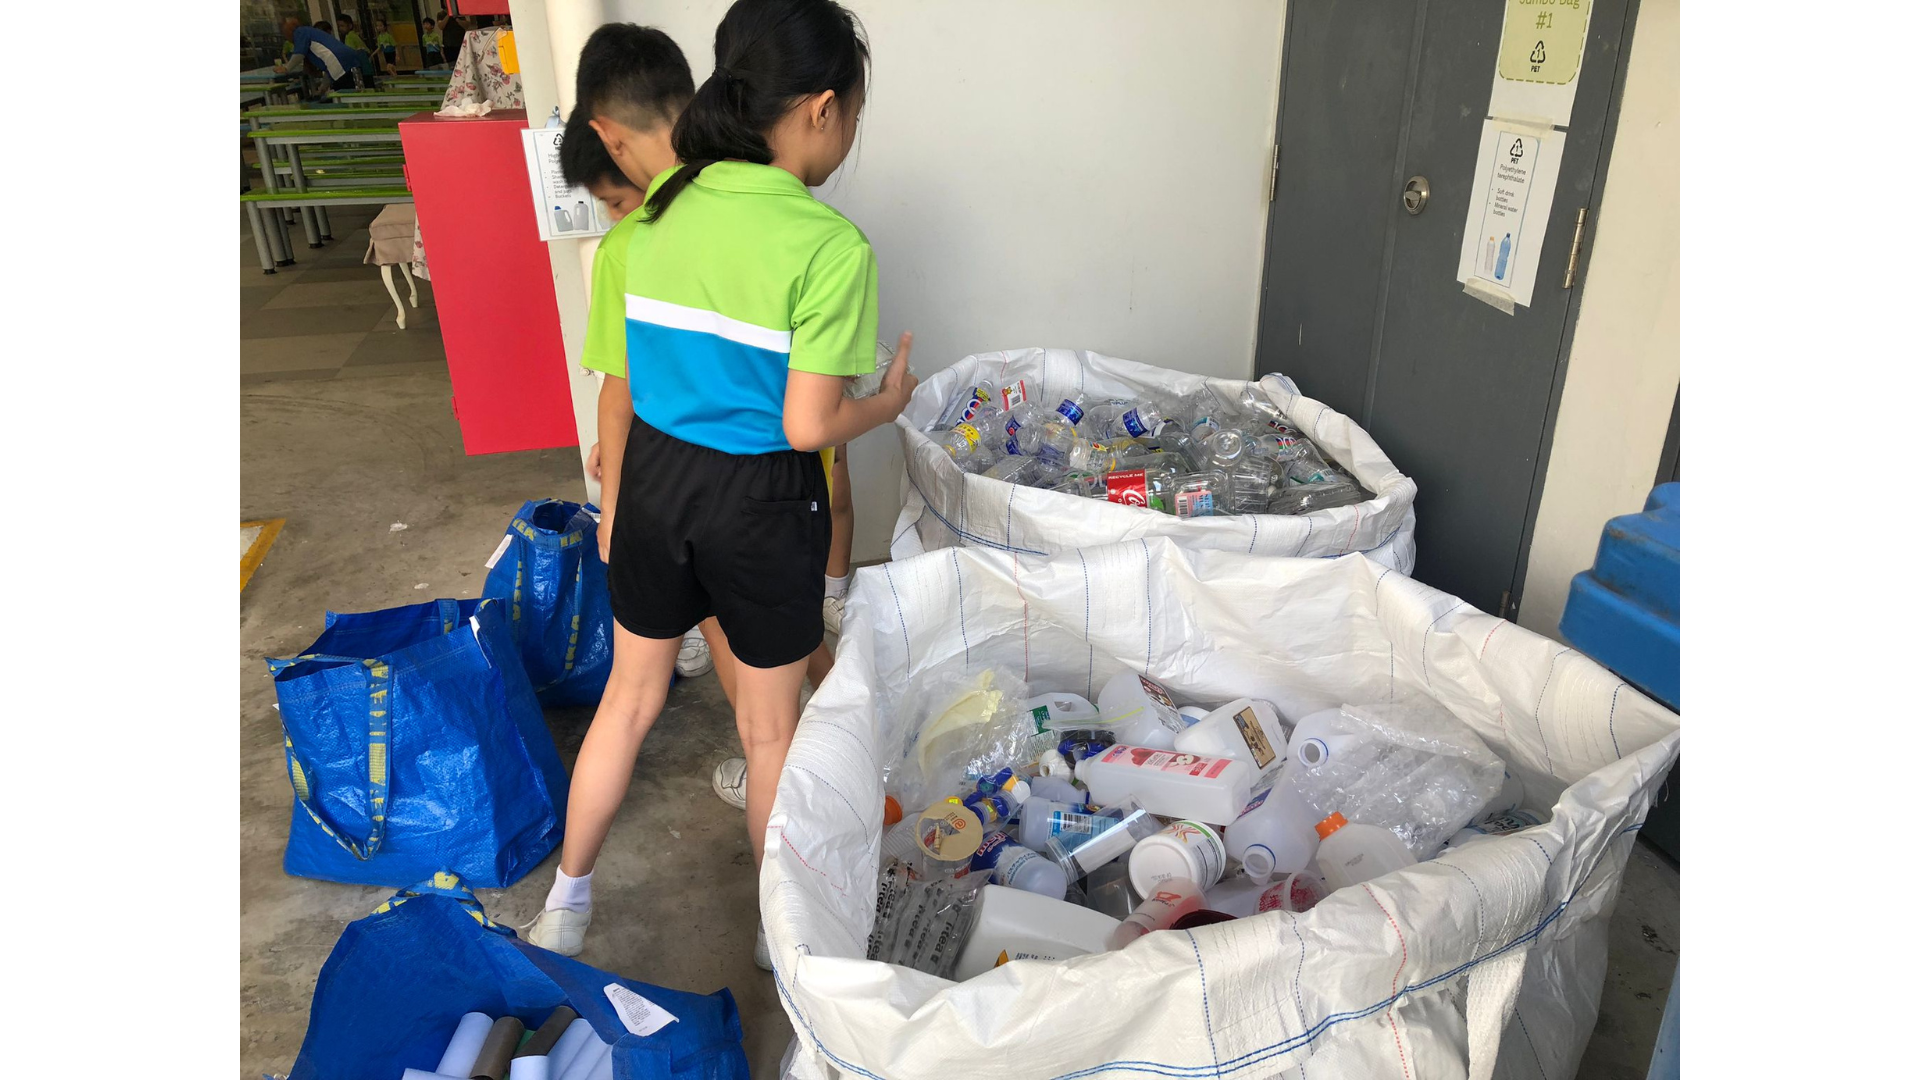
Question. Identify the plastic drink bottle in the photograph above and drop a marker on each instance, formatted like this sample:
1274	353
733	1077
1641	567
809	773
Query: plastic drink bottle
1026	471
1140	711
1015	925
960	441
965	404
1351	853
1167	904
1043	819
1100	421
1167	783
1184	849
1274	835
1245	730
1139	421
1019	867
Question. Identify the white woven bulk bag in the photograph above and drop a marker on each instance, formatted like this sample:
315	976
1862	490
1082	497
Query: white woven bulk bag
941	506
1486	961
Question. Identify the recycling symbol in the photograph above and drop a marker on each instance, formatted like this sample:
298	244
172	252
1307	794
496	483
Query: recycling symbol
1518	150
1539	54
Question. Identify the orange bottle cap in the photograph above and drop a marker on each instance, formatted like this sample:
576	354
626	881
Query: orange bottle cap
1330	824
893	813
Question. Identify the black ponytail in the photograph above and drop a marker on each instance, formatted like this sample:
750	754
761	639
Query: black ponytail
767	54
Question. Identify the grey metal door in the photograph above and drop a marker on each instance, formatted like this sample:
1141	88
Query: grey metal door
1360	302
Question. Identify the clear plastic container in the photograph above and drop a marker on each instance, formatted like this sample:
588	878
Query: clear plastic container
1110	889
1351	853
1168	783
1139	711
1241	896
861	386
1115	830
1246	730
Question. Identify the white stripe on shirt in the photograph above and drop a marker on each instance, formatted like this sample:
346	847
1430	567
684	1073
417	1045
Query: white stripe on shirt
335	70
679	317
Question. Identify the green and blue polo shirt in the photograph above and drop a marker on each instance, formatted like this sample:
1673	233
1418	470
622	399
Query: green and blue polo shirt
746	276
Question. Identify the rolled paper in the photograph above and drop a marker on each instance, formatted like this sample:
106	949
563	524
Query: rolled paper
603	1069
422	1074
531	1068
464	1048
497	1051
545	1039
579	1035
587	1061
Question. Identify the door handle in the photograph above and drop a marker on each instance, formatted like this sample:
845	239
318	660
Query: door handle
1414	195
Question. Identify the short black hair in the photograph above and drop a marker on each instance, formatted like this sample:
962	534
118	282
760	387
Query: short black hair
633	74
584	160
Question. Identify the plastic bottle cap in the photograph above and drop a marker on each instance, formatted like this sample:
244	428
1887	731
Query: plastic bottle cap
893	812
1330	824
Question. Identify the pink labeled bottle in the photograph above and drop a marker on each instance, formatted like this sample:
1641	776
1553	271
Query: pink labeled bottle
1168	783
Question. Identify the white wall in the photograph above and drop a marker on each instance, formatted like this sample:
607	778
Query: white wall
1624	368
1073	173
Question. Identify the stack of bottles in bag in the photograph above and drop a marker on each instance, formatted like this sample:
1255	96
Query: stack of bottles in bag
1140	815
1197	457
565	1047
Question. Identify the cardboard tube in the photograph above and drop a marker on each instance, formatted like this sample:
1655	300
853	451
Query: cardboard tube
464	1048
422	1074
579	1035
545	1039
586	1062
531	1068
497	1051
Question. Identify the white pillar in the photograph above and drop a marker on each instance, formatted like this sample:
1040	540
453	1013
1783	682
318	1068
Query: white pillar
548	37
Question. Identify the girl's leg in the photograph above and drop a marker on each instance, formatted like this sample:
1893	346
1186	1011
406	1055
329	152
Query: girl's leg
840	501
723	661
767	710
636	690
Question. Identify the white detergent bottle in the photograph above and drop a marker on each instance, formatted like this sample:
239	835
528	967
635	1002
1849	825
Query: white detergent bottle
1014	925
1274	835
1209	789
1316	738
1140	711
1351	853
1055	788
1058	711
1018	867
1246	730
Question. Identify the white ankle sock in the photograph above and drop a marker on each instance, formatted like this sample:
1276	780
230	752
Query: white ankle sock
571	893
837	586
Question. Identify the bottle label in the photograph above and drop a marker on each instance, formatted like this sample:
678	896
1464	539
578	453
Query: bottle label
1071	411
975	405
1159	693
969	433
1072	823
1041	715
1204	843
1013	445
1192	504
1132	422
1010	396
1004	873
1258	800
1510	822
1051	456
1255	737
1167	761
1128	488
989	853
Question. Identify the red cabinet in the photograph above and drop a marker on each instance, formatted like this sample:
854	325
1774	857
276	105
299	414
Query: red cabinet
492	282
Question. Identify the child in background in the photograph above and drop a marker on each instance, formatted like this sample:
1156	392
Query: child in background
430	51
751	303
389	48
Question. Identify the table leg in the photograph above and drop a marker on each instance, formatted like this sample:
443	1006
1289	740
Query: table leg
326	226
258	223
283	251
309	216
399	312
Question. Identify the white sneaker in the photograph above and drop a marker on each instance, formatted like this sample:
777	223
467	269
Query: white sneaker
762	957
730	782
696	656
831	609
561	930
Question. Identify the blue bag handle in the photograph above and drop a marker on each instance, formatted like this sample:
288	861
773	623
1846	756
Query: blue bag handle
529	529
445	883
379	675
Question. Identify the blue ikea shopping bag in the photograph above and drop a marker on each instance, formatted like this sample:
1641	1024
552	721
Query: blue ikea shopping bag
549	571
399	980
415	745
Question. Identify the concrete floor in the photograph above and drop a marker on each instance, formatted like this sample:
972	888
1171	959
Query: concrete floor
345	431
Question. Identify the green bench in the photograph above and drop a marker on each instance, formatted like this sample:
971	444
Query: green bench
270	238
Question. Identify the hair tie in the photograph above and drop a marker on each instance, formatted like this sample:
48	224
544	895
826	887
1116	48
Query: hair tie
724	75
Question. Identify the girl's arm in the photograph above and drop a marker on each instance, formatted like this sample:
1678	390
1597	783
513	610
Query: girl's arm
819	414
616	419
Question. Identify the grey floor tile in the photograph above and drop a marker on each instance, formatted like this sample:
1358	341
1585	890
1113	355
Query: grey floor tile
295	322
330	294
261	378
252	279
412	345
423	318
356	272
304	353
376	371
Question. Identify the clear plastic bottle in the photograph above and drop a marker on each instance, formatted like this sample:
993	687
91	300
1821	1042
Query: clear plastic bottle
1025	471
960	441
1101	419
962	403
1351	853
1141	421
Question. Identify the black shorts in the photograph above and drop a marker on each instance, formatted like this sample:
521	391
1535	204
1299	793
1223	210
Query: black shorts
741	537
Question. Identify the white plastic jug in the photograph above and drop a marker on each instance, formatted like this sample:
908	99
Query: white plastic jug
1315	738
1140	711
1059	710
1246	730
1209	789
1351	853
1016	925
1274	835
